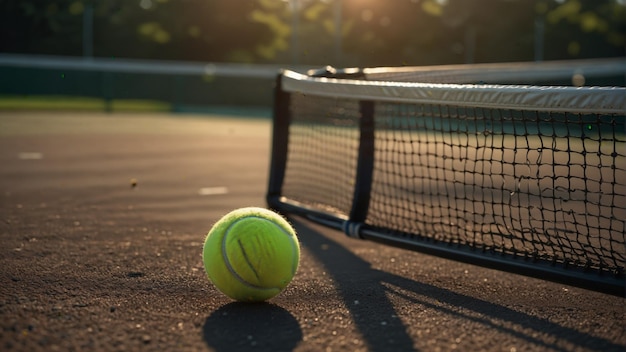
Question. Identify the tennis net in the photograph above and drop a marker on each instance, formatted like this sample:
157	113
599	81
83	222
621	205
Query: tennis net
526	179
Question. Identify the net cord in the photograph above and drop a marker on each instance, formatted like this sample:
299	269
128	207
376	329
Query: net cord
603	100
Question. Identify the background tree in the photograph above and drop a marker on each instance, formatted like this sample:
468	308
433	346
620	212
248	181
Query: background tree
584	28
372	32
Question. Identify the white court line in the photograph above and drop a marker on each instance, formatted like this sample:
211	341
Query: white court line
211	191
30	156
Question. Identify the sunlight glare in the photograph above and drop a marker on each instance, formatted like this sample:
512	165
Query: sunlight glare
145	4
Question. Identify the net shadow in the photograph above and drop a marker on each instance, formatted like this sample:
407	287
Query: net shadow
377	319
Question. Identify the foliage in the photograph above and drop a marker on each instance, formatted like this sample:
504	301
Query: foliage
371	32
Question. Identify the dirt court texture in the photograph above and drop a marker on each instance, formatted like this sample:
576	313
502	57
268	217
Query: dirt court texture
102	220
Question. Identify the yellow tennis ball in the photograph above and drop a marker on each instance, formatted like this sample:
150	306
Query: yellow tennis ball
251	254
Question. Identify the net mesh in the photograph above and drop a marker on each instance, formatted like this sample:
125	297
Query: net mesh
323	145
541	185
549	185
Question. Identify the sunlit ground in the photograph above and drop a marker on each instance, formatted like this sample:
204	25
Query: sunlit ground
79	103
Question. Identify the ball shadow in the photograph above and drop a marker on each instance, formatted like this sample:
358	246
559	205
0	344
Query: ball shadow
251	326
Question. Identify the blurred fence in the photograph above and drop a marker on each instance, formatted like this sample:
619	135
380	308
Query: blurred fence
185	85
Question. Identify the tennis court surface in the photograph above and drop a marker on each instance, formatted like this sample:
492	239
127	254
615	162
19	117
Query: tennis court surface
90	262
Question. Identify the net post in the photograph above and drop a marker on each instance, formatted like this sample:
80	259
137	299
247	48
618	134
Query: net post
365	170
280	138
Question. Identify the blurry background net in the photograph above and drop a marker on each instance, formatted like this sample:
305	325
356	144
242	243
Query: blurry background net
182	86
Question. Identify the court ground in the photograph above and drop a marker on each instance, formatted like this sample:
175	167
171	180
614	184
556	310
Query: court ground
91	262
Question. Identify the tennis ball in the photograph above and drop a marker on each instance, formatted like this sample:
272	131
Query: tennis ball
251	254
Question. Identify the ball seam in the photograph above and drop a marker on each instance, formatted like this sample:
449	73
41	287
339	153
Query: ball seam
230	267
